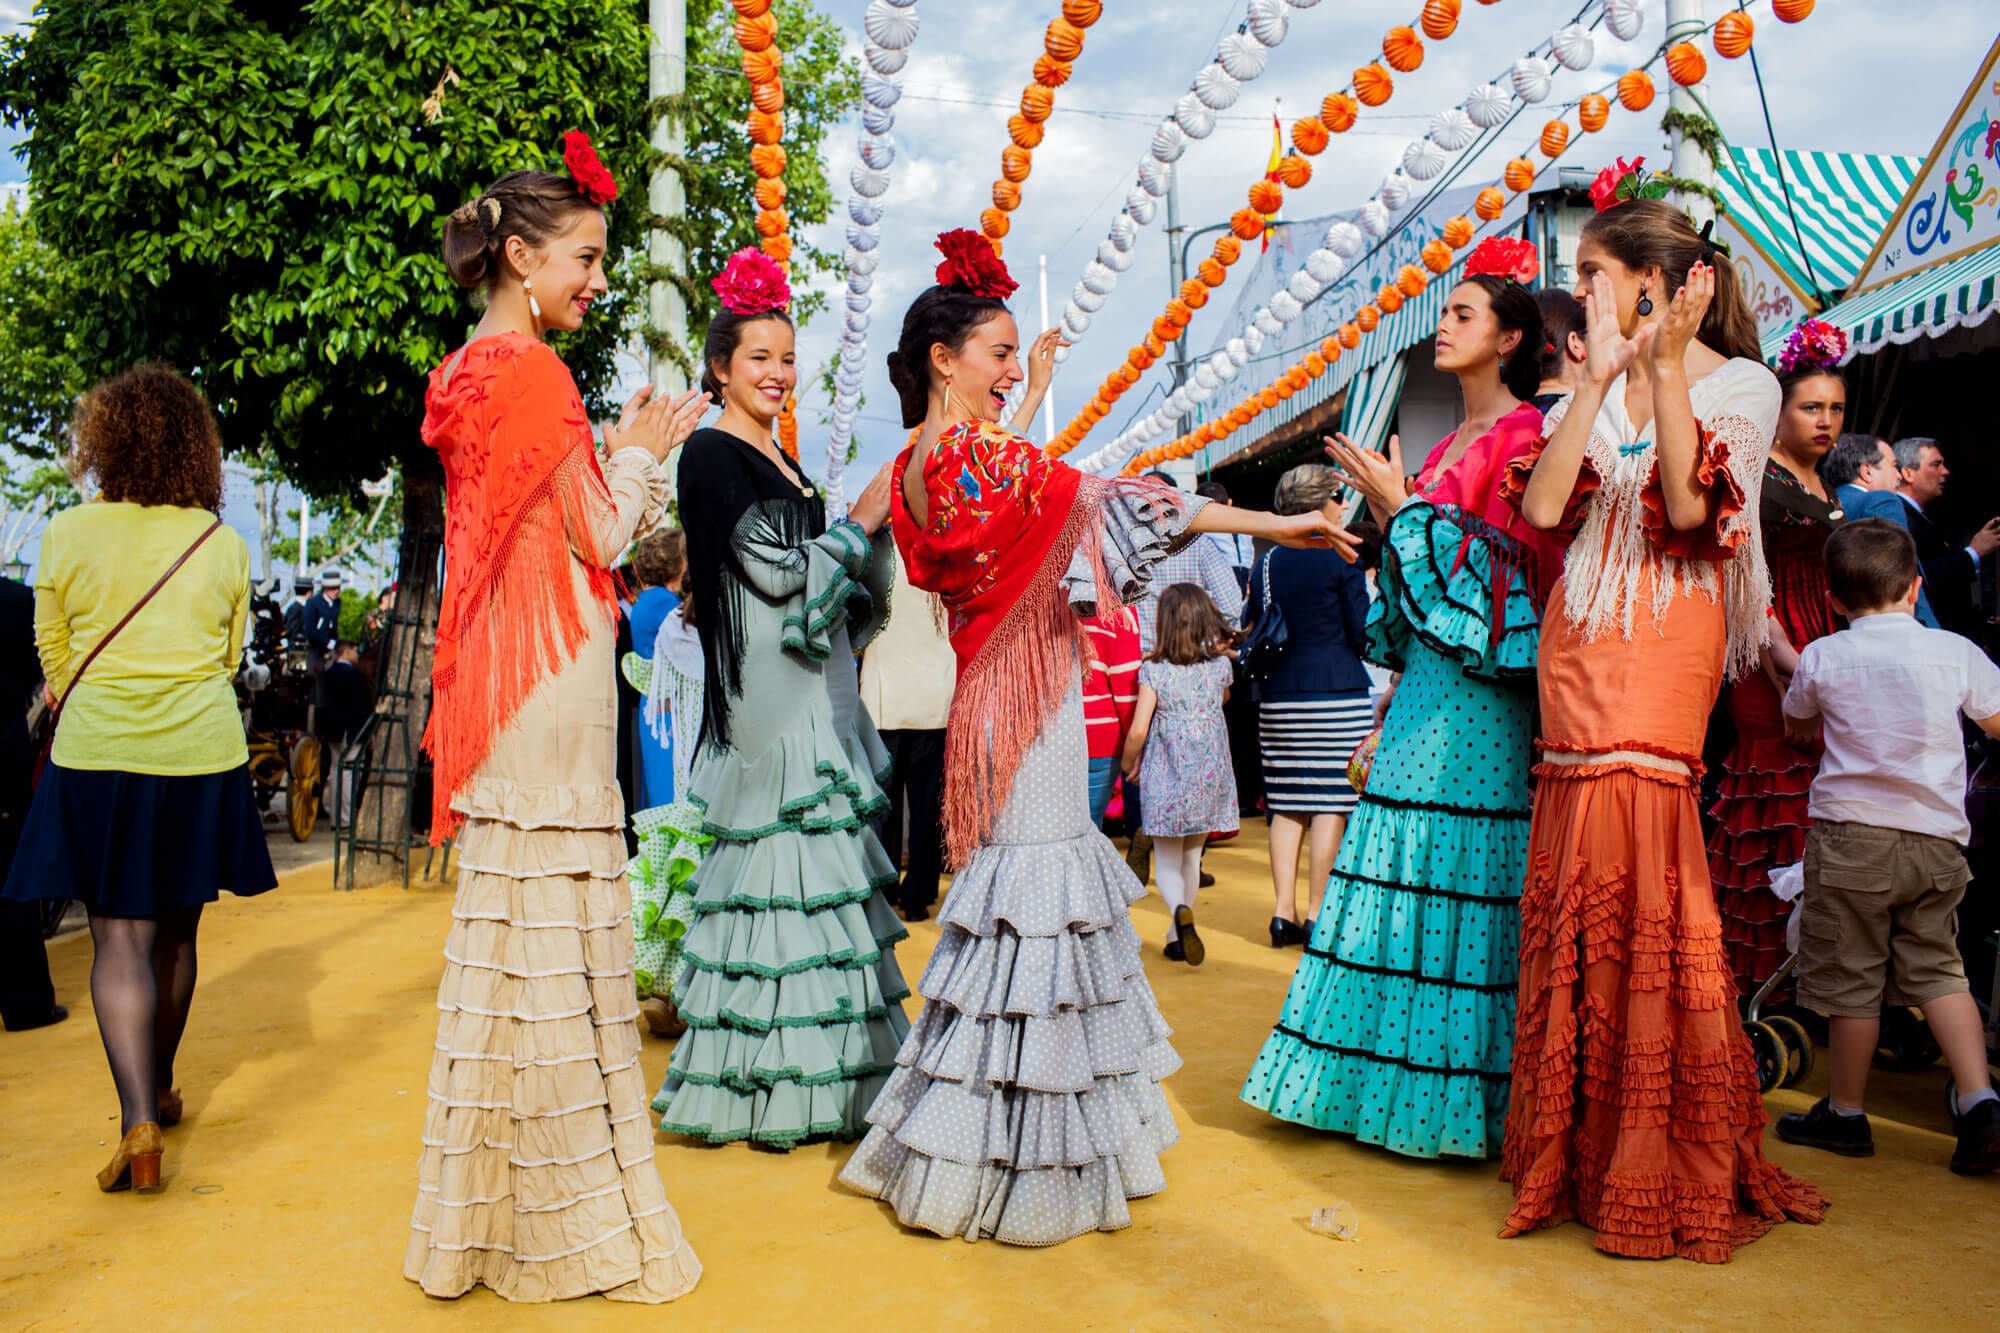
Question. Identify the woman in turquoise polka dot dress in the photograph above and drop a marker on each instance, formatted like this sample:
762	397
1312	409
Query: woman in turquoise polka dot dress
1398	1028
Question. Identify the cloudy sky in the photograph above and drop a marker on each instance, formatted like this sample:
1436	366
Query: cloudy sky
1858	75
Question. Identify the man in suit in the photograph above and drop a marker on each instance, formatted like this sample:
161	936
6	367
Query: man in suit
1950	571
322	627
295	615
1861	472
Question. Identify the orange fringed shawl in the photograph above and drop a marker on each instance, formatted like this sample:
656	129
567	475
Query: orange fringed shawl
1004	523
515	441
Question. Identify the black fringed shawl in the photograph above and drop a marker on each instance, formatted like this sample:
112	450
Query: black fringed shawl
722	480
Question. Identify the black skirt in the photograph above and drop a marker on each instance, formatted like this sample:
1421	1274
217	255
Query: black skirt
139	844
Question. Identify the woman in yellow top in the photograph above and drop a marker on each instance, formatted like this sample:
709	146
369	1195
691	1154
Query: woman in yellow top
145	812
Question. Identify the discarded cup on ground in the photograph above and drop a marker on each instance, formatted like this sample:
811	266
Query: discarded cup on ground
1340	1221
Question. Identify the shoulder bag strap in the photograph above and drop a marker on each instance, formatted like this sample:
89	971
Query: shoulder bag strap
137	607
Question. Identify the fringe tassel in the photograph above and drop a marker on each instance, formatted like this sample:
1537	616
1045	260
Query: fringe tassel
518	627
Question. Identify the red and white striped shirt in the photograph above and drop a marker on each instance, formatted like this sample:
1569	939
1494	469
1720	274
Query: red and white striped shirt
1111	682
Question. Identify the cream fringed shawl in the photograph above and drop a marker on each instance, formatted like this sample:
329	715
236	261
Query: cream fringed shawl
1622	514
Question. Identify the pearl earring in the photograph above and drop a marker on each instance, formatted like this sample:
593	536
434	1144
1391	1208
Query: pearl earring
534	306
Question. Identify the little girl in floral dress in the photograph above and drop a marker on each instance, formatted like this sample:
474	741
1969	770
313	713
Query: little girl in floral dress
1178	751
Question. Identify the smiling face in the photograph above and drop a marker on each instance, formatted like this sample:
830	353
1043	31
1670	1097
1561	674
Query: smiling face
1469	334
762	371
568	272
1814	412
983	371
1592	258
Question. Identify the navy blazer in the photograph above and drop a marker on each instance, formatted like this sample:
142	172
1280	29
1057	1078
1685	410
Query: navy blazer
322	623
1325	603
1857	503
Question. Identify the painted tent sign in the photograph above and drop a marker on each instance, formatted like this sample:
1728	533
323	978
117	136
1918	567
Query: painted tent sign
1774	300
1954	206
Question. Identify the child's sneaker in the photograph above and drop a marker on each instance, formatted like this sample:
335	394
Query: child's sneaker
1978	1140
1821	1128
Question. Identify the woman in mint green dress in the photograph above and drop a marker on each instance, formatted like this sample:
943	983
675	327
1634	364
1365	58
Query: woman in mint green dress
790	988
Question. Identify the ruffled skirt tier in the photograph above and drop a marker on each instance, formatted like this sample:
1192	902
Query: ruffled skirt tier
789	987
537	1176
1636	1107
1761	823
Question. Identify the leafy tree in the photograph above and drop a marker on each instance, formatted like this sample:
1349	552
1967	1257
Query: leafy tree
43	377
254	190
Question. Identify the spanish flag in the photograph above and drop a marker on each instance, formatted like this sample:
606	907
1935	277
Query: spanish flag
1271	173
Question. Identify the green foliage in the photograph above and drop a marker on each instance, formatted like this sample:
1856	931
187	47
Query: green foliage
43	378
821	88
30	491
254	191
351	530
1699	129
355	607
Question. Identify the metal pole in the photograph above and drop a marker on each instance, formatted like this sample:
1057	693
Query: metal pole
1049	398
1690	159
305	535
1176	275
666	311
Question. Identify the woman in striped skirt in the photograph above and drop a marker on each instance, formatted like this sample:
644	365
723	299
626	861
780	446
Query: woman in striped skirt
1314	707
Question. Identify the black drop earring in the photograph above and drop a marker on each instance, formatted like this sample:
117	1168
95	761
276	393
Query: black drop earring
1645	306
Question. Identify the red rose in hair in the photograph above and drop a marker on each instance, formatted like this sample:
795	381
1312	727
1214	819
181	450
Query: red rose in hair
593	182
1605	191
1505	257
969	261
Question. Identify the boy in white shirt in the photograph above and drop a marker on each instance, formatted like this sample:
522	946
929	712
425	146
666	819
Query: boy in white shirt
1884	866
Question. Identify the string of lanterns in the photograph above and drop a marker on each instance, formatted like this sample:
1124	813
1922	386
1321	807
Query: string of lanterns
1530	79
763	62
1402	49
1240	59
889	28
1061	45
1731	36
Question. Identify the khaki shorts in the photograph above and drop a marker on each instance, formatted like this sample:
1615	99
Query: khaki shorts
1880	919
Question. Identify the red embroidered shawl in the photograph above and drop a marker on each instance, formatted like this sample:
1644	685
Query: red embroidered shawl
1004	523
511	430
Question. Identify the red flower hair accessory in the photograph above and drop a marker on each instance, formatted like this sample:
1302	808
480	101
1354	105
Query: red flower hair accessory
969	262
752	284
1624	181
1505	257
593	182
1813	345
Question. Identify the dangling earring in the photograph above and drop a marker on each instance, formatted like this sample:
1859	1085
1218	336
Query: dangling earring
948	407
1645	306
534	306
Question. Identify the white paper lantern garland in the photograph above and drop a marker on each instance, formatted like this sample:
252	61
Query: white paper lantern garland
1530	79
891	28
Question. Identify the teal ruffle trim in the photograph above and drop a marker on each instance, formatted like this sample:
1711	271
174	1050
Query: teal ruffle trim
1436	585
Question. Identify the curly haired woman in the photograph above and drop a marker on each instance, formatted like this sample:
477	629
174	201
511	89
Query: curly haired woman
145	812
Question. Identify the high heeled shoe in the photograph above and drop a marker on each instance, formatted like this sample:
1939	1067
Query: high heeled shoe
1284	934
170	1107
136	1164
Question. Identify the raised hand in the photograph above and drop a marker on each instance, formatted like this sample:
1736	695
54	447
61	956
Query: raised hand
1379	477
1042	359
655	423
1684	315
871	508
1607	350
1317	529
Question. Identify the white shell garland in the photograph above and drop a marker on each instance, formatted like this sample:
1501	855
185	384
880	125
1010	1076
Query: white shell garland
877	119
1112	257
1574	47
1086	300
1304	285
1345	239
1155	177
1124	232
1394	194
864	211
884	61
1216	89
1253	339
1375	218
1325	266
891	26
1169	142
1141	206
1098	277
1243	56
1532	79
1195	119
1285	308
1489	106
1424	160
868	182
1453	131
1625	18
880	90
1238	350
878	152
1268	20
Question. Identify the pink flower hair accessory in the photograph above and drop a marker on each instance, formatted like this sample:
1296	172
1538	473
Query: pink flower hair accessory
1505	257
1813	344
751	283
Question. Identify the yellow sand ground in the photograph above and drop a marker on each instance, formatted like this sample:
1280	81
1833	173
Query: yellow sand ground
289	1186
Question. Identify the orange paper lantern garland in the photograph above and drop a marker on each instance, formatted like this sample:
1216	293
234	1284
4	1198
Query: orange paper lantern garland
1635	90
1685	64
1592	112
1062	43
1440	19
1732	34
757	35
1402	49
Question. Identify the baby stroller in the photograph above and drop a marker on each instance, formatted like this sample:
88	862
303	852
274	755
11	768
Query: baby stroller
1783	1047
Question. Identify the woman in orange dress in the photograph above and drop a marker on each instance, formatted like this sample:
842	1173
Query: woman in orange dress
1635	1107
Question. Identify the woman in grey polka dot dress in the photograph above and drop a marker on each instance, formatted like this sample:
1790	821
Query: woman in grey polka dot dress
1026	1103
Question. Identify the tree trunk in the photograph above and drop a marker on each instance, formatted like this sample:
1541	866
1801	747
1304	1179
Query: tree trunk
403	691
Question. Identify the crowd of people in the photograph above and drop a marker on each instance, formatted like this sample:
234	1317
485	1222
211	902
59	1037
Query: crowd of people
1478	711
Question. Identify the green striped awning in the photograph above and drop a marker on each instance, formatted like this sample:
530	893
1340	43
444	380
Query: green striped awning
1841	203
1958	293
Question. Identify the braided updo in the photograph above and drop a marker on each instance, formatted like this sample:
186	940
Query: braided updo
946	315
537	206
